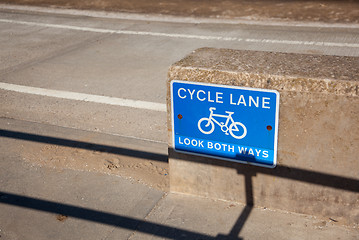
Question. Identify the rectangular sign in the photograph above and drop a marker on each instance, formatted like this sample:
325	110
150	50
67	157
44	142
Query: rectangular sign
225	122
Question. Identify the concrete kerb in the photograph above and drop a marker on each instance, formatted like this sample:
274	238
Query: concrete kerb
318	127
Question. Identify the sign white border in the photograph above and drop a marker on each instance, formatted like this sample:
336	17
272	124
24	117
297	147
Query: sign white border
232	87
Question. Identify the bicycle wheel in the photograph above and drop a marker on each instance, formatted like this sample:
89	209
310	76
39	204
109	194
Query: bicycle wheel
205	125
237	130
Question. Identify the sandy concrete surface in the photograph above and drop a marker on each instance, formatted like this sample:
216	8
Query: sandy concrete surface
63	148
319	11
44	201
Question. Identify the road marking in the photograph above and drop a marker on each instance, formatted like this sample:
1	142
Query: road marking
125	32
290	42
85	97
178	19
176	35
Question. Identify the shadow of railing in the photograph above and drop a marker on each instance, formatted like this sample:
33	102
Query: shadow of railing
282	171
83	145
99	217
248	171
243	217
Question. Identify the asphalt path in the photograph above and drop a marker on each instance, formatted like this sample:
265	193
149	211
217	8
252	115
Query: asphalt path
108	73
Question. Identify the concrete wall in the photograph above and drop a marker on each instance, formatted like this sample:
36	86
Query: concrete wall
318	142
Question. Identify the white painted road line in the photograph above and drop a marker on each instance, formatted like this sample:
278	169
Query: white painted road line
176	19
100	30
176	35
85	97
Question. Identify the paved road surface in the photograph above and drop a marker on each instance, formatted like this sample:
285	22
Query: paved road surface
73	86
126	59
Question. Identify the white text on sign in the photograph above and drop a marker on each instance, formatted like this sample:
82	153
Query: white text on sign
218	97
223	147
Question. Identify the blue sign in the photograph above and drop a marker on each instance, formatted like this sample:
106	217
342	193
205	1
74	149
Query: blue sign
225	122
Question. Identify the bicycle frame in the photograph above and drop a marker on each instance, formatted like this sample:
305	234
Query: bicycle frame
232	129
228	118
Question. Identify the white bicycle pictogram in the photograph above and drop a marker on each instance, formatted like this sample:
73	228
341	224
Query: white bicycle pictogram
236	129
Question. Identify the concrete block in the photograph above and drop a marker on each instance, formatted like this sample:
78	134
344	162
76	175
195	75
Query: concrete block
318	141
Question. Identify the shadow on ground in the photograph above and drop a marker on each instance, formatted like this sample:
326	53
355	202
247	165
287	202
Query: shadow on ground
160	230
